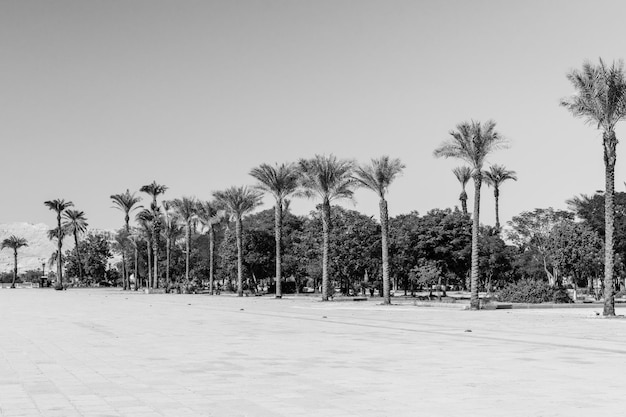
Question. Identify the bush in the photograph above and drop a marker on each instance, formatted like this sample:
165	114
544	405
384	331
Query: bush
531	291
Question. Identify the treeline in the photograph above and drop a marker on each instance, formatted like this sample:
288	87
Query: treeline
563	248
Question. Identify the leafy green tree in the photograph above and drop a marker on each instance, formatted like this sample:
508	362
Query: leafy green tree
58	206
530	231
238	201
590	209
154	190
326	178
496	175
126	202
15	243
495	259
96	252
378	176
75	223
472	142
280	181
601	101
463	174
576	250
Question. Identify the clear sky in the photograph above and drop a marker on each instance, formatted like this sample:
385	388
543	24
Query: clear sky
100	96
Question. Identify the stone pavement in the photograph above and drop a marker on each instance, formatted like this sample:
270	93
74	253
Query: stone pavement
104	352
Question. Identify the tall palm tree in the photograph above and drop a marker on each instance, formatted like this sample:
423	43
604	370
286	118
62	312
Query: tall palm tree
463	174
186	209
601	101
75	222
472	142
59	205
378	176
209	216
496	175
127	203
238	201
329	179
280	181
155	190
14	242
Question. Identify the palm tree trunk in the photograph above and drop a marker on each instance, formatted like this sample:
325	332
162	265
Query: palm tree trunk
80	266
610	142
124	249
59	247
124	270
211	250
168	244
384	230
155	260
187	247
239	257
325	240
149	278
474	301
278	231
463	198
496	194
136	263
14	268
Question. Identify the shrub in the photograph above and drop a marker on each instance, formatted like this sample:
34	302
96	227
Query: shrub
560	296
531	291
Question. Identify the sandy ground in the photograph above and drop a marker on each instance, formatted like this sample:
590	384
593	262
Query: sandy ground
109	353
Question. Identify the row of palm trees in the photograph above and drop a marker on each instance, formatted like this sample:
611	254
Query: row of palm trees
600	99
325	178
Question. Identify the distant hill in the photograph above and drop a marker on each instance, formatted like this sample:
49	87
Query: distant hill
39	248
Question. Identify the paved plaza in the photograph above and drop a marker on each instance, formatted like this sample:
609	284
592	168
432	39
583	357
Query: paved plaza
104	352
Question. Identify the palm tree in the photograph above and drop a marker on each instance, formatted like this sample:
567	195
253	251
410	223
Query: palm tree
209	216
472	142
238	201
279	181
328	179
155	190
59	205
14	243
127	203
75	222
377	176
601	101
496	175
186	209
463	174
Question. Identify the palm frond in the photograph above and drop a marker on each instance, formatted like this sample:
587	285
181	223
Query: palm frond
600	97
327	177
472	142
379	174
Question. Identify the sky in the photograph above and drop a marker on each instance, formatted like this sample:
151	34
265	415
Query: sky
97	97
